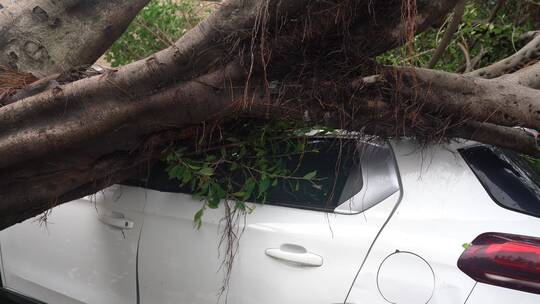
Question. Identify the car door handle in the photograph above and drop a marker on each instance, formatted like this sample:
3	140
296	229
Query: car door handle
116	219
295	254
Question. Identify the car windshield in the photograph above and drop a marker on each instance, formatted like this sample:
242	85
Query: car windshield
511	179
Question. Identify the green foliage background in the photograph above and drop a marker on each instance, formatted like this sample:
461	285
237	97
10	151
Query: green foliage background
495	40
156	27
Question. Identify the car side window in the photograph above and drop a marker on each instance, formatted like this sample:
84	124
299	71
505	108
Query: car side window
512	180
339	177
333	162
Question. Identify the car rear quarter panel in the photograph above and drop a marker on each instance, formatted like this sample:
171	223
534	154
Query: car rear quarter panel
483	294
444	206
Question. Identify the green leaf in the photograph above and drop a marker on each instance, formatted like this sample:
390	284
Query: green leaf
250	185
215	195
240	205
218	191
206	171
310	175
193	166
210	158
177	172
186	177
213	202
264	184
242	195
198	218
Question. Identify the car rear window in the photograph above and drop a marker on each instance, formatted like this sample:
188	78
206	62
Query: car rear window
511	179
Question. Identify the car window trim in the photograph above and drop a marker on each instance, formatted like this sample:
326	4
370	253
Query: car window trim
376	160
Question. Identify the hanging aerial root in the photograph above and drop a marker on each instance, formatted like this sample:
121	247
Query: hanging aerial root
12	80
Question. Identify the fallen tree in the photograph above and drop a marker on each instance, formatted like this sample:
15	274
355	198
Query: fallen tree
66	131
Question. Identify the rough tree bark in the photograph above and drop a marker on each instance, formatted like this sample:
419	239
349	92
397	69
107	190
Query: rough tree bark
43	37
63	139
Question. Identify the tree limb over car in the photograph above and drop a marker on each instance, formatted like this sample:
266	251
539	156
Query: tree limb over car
74	132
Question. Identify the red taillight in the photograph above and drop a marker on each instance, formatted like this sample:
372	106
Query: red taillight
506	260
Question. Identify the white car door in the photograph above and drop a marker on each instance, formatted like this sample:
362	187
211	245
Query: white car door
85	253
291	250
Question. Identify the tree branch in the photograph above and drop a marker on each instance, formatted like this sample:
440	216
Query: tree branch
505	137
528	76
468	62
494	101
530	52
448	34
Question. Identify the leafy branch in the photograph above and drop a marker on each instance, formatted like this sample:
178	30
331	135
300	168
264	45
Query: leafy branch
247	163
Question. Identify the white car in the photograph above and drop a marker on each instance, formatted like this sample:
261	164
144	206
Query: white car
452	223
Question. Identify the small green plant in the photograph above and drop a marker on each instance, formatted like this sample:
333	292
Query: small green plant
156	27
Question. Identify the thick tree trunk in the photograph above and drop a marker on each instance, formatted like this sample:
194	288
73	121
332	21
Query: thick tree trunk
43	37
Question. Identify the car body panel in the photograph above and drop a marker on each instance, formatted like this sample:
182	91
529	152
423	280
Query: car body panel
2	275
75	257
444	206
341	240
484	293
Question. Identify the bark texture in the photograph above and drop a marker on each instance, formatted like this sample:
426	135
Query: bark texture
47	36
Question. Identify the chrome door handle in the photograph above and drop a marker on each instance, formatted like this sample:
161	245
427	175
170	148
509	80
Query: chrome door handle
295	254
116	219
